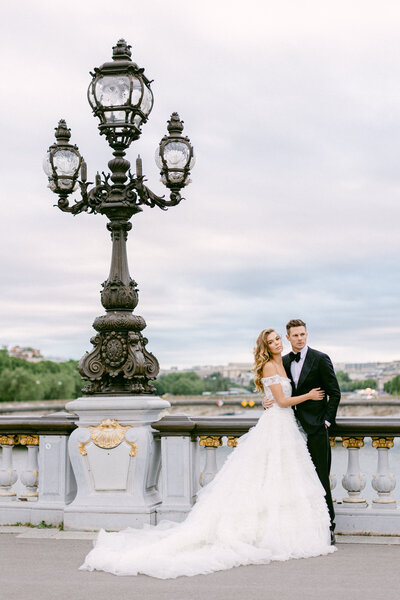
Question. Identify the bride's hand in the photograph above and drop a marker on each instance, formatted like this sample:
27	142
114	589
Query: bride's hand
316	394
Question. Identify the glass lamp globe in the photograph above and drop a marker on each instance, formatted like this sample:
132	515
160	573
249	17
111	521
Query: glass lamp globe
62	162
120	96
174	156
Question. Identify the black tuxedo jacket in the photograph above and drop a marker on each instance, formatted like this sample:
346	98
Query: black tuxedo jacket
317	372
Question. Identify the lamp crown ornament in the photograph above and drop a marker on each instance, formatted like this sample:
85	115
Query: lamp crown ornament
63	133
122	51
121	98
175	125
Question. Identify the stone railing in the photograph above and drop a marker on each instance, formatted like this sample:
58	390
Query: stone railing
184	439
37	482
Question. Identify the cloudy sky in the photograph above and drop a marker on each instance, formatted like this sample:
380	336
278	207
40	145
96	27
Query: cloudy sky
294	112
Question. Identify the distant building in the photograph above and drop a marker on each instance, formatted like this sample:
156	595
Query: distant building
381	371
240	373
29	354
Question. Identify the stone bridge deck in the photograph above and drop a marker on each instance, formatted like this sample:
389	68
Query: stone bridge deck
43	564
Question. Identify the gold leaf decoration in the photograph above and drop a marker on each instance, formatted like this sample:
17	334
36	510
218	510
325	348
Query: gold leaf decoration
28	440
109	434
7	440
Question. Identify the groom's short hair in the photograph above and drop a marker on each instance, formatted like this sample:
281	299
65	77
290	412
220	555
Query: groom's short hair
295	323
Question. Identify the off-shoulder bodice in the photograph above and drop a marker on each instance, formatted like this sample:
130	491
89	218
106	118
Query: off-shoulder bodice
273	380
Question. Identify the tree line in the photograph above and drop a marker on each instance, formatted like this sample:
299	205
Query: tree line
191	384
348	385
393	386
21	380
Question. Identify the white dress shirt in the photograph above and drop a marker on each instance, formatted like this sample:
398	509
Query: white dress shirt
296	367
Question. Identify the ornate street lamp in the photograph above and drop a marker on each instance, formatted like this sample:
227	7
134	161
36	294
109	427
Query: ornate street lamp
120	96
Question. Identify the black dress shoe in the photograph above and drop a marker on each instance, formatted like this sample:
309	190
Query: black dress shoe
333	539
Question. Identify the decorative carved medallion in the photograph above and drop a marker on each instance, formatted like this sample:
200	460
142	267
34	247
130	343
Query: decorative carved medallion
119	363
108	434
114	349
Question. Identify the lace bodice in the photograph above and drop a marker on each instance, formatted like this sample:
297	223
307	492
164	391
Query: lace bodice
274	379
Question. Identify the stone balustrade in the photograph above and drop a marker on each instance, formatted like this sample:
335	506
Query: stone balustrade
37	482
210	436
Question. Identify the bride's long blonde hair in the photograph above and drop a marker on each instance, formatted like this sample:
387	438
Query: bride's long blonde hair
262	355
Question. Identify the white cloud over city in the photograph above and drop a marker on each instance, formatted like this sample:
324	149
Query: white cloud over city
294	112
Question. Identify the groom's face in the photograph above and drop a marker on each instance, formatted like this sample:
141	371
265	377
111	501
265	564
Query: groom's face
297	336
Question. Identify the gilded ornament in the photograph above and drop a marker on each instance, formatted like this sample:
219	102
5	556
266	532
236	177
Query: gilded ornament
81	447
384	442
133	446
28	440
210	441
332	442
109	434
353	442
8	440
232	441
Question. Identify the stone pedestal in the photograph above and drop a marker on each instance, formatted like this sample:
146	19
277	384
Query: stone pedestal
116	462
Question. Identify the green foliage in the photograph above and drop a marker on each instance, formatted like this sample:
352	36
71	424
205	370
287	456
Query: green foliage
347	385
216	383
44	525
191	384
186	384
393	386
21	380
251	386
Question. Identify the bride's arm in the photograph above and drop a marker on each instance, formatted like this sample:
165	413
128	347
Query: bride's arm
279	396
283	401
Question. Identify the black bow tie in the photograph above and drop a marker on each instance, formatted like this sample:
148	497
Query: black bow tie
294	356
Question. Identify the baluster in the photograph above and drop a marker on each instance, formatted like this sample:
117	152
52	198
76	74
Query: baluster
383	481
210	443
354	481
332	476
8	475
29	477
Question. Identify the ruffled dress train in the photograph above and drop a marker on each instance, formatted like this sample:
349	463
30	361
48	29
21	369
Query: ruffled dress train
266	503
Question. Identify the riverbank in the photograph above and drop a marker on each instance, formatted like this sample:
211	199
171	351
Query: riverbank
215	405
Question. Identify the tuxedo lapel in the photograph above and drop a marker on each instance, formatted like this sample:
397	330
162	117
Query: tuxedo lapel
308	363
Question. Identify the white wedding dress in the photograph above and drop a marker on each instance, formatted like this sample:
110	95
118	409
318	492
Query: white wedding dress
266	503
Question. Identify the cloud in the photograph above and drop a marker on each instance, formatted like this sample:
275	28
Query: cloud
293	110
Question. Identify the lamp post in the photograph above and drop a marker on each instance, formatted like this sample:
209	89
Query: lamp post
121	97
113	453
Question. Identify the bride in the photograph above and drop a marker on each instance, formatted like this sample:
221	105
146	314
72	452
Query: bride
266	503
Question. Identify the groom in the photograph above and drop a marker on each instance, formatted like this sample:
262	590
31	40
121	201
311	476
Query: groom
308	369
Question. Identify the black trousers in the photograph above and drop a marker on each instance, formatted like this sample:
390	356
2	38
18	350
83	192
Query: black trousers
320	451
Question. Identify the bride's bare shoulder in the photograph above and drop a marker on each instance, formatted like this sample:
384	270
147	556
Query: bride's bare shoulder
269	370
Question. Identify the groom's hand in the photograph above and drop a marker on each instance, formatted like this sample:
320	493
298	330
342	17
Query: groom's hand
268	403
